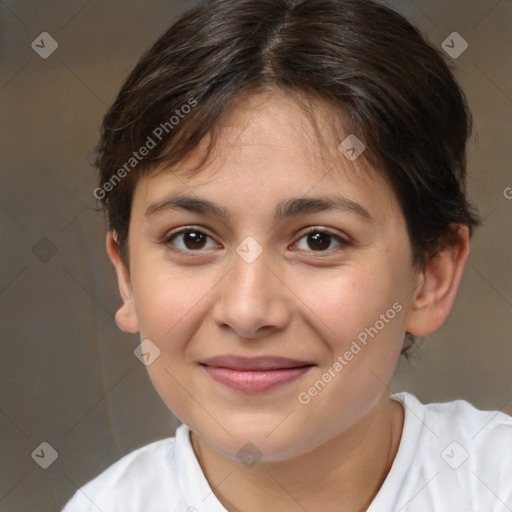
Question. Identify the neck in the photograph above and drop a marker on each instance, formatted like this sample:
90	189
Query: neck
343	475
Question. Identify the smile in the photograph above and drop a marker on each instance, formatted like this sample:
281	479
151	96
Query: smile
254	375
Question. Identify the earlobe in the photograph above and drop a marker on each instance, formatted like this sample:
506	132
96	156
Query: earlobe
126	316
437	286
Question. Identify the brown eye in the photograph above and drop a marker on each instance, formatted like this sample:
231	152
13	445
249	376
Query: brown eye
318	240
194	240
189	240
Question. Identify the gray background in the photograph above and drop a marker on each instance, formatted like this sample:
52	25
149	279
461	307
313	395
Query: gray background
68	376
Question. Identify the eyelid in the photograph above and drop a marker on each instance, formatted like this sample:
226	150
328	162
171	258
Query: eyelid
166	239
343	242
182	229
324	230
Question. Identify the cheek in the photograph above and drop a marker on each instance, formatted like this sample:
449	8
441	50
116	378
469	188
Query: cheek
342	303
170	303
359	317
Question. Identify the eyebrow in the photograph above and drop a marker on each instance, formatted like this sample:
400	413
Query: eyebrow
288	208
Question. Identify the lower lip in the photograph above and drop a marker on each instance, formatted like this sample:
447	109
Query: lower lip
255	381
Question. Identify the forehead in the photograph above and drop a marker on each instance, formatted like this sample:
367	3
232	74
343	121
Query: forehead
277	148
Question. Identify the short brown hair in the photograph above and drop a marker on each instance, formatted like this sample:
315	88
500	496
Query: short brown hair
394	89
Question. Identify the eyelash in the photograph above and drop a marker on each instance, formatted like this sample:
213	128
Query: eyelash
191	253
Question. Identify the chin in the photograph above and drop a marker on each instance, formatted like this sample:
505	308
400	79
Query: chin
257	443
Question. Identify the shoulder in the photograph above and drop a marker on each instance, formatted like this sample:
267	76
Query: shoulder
452	456
461	421
486	436
475	426
457	415
465	452
142	477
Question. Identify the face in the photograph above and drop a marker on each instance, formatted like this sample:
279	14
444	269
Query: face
266	273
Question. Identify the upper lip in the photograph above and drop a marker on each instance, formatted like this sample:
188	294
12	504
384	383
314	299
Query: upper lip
254	363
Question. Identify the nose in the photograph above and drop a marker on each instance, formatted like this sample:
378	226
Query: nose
253	299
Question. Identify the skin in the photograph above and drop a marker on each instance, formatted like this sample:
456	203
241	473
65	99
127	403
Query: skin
333	453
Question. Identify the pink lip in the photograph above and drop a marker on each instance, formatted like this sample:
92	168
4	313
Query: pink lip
254	375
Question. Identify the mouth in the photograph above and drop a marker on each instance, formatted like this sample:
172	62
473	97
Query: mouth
255	375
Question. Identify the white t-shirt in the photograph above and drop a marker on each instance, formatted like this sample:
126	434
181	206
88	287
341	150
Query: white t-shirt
452	458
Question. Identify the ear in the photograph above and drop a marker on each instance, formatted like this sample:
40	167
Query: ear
126	316
437	285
